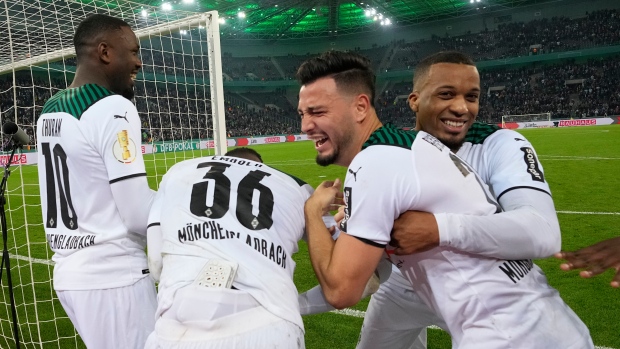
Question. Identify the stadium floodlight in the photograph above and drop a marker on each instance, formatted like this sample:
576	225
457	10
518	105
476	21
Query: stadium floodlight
241	14
144	13
183	31
222	20
367	13
166	6
188	1
373	11
179	97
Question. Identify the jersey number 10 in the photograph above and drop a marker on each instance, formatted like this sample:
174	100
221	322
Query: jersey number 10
56	161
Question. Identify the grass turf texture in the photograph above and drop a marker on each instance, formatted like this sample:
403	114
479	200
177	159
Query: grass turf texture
581	164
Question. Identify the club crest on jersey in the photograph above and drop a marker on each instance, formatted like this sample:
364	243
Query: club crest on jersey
532	164
434	141
124	149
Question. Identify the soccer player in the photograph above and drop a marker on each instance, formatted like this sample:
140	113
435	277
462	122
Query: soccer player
244	218
596	258
446	106
485	302
94	193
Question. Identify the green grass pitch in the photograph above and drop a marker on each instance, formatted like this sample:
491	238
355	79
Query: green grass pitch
581	165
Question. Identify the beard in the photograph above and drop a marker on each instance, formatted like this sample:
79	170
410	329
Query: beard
329	159
326	160
128	93
454	143
124	89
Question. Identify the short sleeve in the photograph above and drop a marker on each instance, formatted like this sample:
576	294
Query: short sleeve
378	187
513	164
115	127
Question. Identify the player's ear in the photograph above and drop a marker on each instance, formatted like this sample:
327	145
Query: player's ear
413	100
362	106
103	51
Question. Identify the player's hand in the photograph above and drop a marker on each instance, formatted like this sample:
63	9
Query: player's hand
594	259
339	216
413	232
325	197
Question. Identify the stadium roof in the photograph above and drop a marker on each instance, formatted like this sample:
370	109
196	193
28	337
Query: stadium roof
278	19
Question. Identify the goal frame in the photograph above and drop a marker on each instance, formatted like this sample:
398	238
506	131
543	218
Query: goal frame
526	117
26	252
215	65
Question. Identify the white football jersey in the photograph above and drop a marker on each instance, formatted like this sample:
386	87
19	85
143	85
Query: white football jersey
485	302
233	209
504	159
88	138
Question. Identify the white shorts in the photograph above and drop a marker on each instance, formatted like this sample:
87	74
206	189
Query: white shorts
396	317
221	319
121	317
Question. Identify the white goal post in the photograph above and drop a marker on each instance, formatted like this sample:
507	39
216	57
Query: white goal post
526	117
180	99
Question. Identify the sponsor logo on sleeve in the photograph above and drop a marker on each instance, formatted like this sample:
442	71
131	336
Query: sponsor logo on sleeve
347	209
124	149
532	164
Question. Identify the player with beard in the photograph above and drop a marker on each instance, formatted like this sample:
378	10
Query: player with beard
94	193
481	299
505	160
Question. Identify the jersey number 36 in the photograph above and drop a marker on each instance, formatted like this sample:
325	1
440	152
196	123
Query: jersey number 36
245	195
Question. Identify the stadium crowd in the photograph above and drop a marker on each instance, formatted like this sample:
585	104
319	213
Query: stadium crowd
566	89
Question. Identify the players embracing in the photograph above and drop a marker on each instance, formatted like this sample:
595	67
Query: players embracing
482	300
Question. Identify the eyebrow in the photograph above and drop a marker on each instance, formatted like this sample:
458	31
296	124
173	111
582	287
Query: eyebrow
476	89
310	109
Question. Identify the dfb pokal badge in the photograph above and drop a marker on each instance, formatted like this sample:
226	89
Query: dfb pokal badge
124	148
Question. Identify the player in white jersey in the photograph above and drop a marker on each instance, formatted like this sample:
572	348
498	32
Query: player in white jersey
504	159
94	193
227	209
486	302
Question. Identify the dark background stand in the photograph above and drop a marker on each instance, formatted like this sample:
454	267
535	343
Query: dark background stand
5	251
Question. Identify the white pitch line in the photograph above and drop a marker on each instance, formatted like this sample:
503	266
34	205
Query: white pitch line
30	259
360	314
569	157
347	311
592	213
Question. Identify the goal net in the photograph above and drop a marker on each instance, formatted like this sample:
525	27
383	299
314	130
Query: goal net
179	96
526	118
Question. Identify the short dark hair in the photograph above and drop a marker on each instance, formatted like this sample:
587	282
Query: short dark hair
91	27
350	71
245	153
421	70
